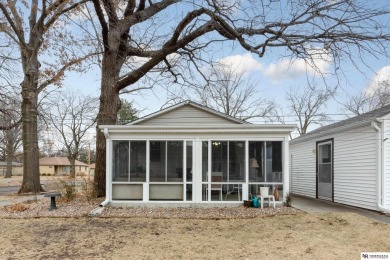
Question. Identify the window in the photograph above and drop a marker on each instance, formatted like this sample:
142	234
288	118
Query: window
129	161
120	161
137	161
189	161
166	161
228	158
205	159
256	162
274	162
236	162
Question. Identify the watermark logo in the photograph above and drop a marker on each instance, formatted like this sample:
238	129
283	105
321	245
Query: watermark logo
374	255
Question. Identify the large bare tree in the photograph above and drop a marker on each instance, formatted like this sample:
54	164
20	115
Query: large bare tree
230	91
369	99
72	115
11	136
307	106
35	36
142	36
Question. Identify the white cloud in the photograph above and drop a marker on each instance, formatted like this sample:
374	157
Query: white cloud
242	63
287	69
380	76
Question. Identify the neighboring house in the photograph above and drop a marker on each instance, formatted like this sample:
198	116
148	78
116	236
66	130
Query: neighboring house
17	168
347	162
189	153
91	170
60	166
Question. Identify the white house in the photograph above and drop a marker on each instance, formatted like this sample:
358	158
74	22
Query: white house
346	162
190	154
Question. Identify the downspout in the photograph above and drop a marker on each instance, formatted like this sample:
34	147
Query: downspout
107	200
380	168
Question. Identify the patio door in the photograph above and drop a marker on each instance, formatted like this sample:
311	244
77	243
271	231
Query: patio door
325	170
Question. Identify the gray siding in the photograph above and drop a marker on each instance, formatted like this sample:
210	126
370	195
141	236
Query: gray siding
386	164
186	115
354	167
303	169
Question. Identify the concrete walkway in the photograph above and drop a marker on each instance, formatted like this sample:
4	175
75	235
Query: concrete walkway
311	205
13	200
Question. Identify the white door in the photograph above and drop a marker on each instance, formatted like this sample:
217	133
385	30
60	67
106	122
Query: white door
325	170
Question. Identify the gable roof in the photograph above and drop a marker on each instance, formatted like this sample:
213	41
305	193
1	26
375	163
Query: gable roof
59	161
366	117
191	104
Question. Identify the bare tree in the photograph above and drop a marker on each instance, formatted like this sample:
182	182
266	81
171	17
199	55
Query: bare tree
10	138
72	116
307	104
140	37
230	92
41	33
369	100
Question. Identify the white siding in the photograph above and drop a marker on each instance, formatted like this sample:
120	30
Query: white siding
354	167
303	169
386	164
186	115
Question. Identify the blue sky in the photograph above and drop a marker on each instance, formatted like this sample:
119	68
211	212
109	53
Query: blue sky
274	75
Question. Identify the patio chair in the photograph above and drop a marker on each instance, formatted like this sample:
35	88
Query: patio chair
217	177
264	194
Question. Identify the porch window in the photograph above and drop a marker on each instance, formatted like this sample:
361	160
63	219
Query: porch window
228	158
256	162
265	167
129	161
166	161
274	162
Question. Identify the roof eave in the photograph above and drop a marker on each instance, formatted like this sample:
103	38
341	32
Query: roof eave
330	131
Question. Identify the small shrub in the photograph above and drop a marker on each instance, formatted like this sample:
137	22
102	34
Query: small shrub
67	189
288	200
43	174
89	190
48	174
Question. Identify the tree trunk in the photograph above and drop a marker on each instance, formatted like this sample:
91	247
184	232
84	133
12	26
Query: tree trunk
31	179
9	154
8	172
72	167
108	109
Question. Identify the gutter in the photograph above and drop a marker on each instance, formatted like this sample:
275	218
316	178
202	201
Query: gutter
104	203
107	200
379	185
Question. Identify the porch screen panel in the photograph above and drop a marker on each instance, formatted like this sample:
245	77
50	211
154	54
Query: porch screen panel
236	161
274	162
137	161
219	158
157	161
175	161
189	161
120	171
205	159
256	162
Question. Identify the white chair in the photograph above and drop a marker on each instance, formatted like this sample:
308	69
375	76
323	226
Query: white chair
264	194
217	177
